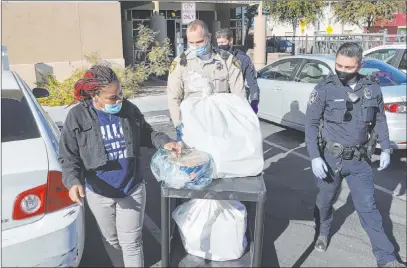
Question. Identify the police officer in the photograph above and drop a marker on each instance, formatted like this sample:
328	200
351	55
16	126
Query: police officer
351	110
201	62
224	39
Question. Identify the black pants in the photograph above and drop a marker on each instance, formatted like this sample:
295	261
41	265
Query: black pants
359	176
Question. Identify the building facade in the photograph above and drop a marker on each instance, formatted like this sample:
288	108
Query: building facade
57	36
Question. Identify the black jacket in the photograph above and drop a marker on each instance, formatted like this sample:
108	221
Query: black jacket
82	148
329	102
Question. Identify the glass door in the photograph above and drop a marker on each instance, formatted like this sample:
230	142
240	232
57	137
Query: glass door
180	37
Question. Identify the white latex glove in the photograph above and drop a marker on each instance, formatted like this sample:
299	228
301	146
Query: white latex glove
384	160
319	168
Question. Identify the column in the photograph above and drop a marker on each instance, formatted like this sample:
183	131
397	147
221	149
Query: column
259	50
158	23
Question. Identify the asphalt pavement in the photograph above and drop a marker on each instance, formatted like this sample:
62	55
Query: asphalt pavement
289	226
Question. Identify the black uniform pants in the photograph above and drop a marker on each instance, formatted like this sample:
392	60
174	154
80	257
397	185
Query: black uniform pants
359	176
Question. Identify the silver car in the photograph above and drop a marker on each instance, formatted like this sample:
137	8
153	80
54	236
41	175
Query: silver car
286	85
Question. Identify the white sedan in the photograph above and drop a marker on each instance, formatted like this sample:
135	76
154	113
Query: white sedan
286	85
39	223
394	54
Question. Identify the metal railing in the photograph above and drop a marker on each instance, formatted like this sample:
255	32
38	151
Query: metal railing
329	43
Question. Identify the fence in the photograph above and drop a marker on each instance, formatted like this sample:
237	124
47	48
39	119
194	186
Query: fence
329	44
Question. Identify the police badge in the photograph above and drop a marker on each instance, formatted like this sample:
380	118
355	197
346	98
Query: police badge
367	93
313	97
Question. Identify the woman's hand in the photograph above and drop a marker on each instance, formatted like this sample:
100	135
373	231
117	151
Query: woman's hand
174	147
76	193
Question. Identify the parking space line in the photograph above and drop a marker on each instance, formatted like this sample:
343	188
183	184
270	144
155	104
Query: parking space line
290	151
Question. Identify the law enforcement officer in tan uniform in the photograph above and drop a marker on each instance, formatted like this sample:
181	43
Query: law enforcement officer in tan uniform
201	62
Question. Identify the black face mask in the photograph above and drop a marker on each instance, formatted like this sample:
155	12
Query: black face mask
345	77
224	47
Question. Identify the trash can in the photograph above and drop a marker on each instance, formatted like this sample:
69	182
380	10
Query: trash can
249	190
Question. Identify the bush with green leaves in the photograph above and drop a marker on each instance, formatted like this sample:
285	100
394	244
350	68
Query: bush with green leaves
156	62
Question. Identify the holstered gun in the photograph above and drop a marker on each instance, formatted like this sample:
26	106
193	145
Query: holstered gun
371	143
321	142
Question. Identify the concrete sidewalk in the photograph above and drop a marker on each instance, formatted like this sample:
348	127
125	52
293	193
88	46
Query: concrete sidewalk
146	105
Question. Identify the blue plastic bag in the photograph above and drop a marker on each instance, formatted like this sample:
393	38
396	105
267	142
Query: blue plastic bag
192	169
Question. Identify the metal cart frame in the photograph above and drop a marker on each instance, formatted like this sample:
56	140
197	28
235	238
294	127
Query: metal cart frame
249	189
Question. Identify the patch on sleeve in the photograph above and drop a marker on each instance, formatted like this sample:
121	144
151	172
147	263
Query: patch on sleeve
173	65
313	97
235	62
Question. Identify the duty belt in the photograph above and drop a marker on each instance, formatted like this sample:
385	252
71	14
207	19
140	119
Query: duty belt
347	153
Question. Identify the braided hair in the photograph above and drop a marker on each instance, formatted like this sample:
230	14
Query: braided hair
93	81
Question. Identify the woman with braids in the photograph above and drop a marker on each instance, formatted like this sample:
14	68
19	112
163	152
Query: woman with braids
100	156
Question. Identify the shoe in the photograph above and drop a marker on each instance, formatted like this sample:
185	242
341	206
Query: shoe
321	244
394	263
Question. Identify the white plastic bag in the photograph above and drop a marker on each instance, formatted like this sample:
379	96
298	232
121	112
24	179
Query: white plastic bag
225	126
212	229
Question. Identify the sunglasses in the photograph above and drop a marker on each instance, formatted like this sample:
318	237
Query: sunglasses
349	107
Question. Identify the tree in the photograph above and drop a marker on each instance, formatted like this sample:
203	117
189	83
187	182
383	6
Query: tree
367	13
155	56
293	11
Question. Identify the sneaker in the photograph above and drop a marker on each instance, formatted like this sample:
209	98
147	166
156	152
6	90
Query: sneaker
321	244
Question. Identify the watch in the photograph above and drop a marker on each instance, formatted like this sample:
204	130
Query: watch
390	151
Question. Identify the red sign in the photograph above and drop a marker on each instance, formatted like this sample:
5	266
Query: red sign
399	19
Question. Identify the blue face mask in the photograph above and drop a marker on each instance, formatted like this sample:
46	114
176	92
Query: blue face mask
112	108
199	51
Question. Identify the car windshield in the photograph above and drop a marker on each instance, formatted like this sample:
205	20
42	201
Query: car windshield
387	74
14	106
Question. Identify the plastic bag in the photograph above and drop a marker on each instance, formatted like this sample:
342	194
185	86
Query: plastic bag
212	229
192	169
225	126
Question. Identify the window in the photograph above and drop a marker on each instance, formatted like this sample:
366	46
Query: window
236	25
403	62
140	14
236	13
386	55
237	36
313	72
14	105
387	74
281	70
136	24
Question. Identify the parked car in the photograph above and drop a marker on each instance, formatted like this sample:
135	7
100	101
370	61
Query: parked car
286	85
394	55
277	44
40	225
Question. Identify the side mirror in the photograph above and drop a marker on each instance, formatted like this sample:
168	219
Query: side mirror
40	92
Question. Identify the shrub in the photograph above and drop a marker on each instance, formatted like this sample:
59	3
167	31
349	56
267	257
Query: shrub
156	61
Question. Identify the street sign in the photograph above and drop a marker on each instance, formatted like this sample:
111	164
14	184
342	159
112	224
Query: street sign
188	12
302	30
329	29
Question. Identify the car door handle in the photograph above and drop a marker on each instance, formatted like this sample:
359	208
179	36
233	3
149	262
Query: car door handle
277	89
